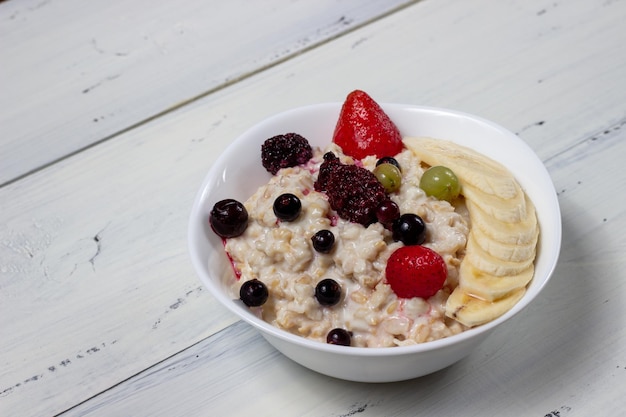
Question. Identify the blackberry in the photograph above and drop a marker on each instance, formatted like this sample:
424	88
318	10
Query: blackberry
353	192
330	163
284	151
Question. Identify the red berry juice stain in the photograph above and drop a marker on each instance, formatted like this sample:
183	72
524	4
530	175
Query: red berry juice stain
236	270
312	167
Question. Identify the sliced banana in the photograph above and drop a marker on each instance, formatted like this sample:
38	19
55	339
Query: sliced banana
523	232
472	311
490	287
514	252
469	166
501	245
486	262
511	210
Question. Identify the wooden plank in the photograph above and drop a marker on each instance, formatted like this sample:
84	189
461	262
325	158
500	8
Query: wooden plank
75	73
560	357
96	280
539	364
552	348
127	200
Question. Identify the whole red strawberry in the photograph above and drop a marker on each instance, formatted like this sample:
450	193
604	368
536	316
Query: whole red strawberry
416	271
365	129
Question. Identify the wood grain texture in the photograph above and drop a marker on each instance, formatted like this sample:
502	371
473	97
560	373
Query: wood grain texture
75	73
98	298
562	355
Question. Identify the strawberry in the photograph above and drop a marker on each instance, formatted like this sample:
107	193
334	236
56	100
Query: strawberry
416	271
365	129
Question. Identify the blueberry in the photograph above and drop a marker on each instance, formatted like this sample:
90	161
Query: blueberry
328	292
323	241
389	160
410	229
339	337
228	218
287	207
253	293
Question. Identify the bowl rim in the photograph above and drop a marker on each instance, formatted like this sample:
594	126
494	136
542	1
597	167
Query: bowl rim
246	314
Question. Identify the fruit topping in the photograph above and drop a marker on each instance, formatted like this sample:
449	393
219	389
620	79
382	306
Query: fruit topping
253	293
328	292
416	271
353	192
389	176
323	241
364	129
389	160
284	151
339	337
287	207
228	218
501	244
331	162
441	183
387	213
409	229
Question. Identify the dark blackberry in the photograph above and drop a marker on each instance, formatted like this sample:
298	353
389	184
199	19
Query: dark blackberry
284	151
330	163
353	192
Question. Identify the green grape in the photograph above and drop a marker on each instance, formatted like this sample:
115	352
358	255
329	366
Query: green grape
441	183
389	176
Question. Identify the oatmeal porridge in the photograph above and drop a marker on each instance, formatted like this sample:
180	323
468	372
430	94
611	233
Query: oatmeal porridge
281	255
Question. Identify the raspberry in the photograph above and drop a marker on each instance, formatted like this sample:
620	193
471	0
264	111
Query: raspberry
284	151
415	271
353	192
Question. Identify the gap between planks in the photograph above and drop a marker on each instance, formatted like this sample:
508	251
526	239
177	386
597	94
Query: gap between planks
225	85
154	365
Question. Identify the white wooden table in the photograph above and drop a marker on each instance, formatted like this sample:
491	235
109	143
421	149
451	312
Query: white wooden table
111	113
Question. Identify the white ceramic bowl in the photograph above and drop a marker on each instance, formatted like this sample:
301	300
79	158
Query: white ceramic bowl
238	173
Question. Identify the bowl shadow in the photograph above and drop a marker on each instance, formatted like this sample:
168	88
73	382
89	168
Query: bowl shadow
549	339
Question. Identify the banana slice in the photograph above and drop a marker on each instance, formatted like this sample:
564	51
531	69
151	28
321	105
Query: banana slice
470	167
510	210
490	287
518	233
505	251
488	263
501	246
472	311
